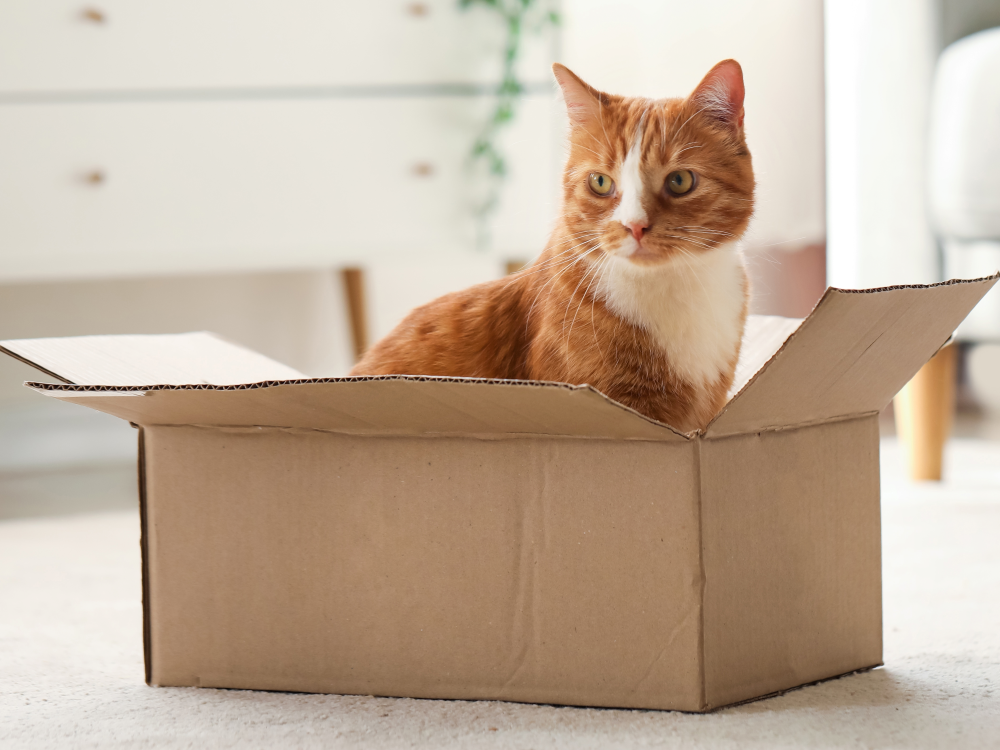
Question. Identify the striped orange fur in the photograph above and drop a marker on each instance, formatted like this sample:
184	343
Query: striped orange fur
640	292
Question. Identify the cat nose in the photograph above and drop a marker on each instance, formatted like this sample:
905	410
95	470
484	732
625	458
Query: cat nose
637	228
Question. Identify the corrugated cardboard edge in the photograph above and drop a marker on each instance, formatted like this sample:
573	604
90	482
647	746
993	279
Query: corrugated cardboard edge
71	388
147	652
829	291
702	677
19	358
74	388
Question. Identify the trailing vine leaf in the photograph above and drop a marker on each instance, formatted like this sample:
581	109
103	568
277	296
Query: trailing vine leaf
516	15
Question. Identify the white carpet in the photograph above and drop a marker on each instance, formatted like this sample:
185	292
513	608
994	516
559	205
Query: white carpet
71	671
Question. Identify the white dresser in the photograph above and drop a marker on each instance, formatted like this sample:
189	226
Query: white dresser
141	136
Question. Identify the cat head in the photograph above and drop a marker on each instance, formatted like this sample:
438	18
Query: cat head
651	180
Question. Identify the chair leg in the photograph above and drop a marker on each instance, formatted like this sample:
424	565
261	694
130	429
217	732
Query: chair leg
924	410
354	293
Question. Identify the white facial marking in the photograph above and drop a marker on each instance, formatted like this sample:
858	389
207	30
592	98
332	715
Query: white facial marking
691	304
629	210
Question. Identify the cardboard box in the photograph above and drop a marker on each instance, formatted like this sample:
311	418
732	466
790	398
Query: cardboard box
449	538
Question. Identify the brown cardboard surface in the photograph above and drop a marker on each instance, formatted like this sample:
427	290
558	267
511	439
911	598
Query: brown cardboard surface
455	538
543	570
851	355
174	358
389	405
791	540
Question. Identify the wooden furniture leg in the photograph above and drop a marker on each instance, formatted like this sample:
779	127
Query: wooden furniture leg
513	266
924	410
354	293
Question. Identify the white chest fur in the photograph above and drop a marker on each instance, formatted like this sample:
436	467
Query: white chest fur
692	306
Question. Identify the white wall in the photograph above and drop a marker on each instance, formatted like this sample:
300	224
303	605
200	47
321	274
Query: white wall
880	57
660	49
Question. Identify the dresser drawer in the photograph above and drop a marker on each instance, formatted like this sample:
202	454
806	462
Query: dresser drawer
124	189
150	45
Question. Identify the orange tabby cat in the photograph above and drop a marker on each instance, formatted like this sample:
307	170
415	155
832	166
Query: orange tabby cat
641	291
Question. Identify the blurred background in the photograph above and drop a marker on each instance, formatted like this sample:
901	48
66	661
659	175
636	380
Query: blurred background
297	175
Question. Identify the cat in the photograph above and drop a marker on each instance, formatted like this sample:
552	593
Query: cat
641	291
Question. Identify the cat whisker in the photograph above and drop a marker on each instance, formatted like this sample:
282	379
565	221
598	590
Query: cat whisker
714	237
688	147
763	256
549	266
585	236
593	322
555	259
572	297
775	244
595	139
704	230
706	242
553	279
598	268
557	276
556	254
554	262
694	241
600	109
576	235
699	234
599	156
678	130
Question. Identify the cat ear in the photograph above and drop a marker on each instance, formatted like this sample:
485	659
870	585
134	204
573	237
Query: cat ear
582	102
721	92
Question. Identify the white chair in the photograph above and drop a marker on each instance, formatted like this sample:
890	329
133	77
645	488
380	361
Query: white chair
964	169
963	179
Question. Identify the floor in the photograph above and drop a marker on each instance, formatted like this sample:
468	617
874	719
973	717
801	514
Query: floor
71	671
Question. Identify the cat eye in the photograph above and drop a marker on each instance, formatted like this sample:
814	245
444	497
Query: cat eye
681	181
601	183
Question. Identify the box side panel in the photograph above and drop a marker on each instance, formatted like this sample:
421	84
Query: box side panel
541	570
792	554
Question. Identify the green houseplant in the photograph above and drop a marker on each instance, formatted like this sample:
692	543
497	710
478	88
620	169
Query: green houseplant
517	16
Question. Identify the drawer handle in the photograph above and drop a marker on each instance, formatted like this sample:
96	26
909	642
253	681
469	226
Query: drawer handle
93	15
423	169
95	177
418	10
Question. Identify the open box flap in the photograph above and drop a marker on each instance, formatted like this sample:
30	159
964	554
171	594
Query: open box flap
851	355
762	337
385	405
173	358
107	373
